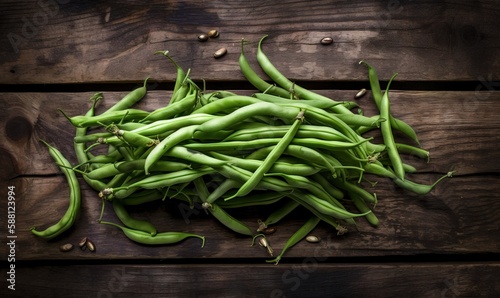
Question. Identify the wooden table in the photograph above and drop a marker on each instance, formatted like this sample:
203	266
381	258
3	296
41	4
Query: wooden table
57	53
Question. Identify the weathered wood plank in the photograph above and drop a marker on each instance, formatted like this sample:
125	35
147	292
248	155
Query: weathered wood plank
310	278
462	123
65	42
458	217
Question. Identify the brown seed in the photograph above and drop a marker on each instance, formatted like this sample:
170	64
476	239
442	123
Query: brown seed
220	52
360	93
269	231
83	243
202	37
90	245
312	239
327	40
66	247
213	33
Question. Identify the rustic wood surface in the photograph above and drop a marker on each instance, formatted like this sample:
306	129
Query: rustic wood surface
58	53
104	42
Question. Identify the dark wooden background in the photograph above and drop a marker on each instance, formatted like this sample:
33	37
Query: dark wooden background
56	54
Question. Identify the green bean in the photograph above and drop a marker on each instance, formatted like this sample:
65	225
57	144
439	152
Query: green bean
106	171
168	179
334	222
130	138
194	156
228	220
260	108
282	81
324	206
306	154
277	167
226	104
273	156
160	165
387	135
181	75
409	149
136	224
171	110
142	197
418	188
182	134
278	215
241	175
300	234
69	217
328	187
256	198
260	143
162	126
106	119
84	138
305	131
79	148
301	182
159	239
354	188
128	100
256	81
363	208
320	103
377	96
222	189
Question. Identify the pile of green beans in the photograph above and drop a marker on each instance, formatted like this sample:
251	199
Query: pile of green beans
284	146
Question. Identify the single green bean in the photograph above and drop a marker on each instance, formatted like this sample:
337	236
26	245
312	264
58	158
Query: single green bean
273	156
159	239
129	100
387	135
166	144
132	223
69	217
286	84
256	81
300	234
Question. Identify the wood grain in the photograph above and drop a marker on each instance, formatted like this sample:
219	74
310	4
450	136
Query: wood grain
458	217
309	278
105	42
458	128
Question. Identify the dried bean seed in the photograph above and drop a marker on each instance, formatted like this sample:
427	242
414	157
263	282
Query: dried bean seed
312	239
220	52
202	37
66	247
83	243
213	33
269	231
326	40
360	94
90	245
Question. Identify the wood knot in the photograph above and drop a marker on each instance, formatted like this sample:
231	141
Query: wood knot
18	128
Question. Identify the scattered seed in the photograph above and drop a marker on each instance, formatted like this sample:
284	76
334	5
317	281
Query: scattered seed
202	37
361	93
263	242
83	243
312	239
90	245
327	40
66	247
269	231
213	33
220	52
